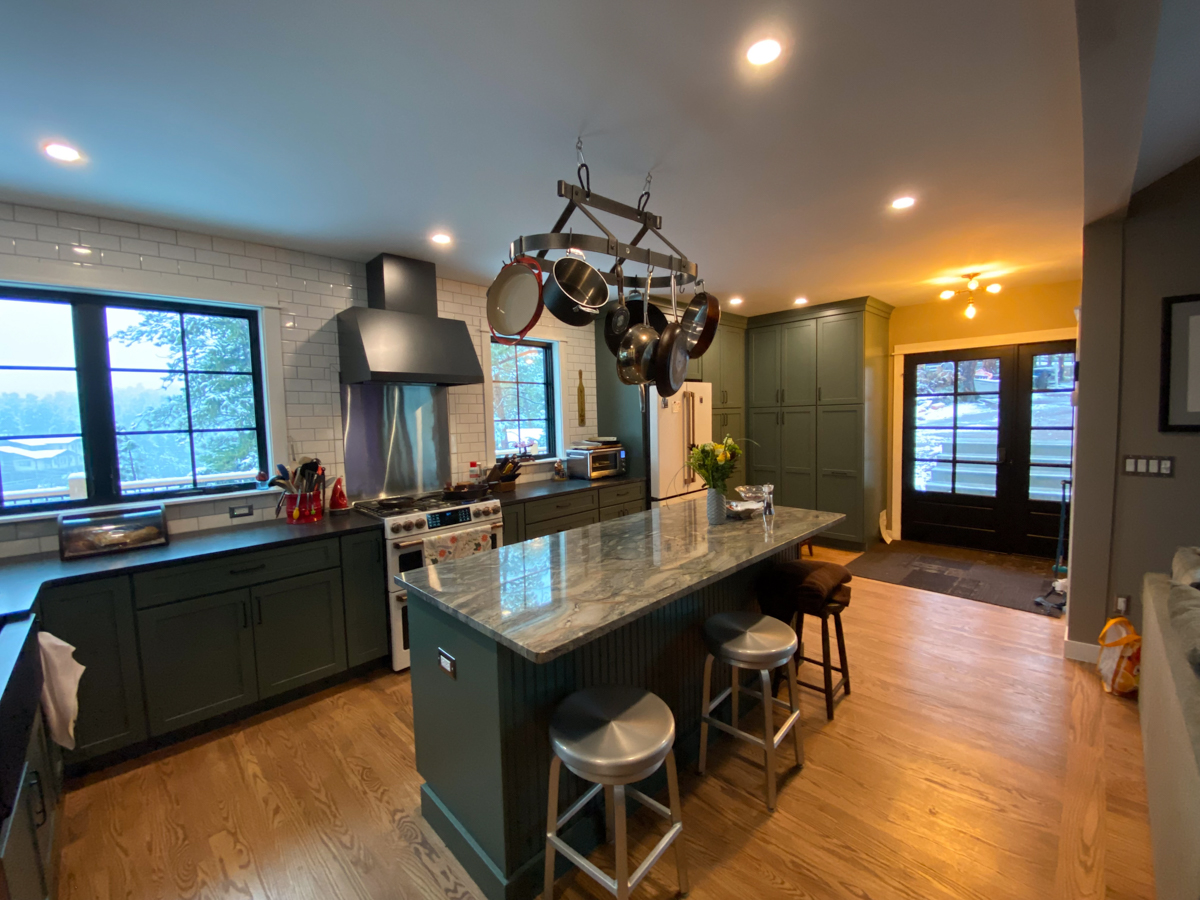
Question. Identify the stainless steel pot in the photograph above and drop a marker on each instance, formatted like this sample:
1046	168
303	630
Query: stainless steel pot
575	291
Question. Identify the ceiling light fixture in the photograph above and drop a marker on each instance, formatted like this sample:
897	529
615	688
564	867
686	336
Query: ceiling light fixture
969	312
800	301
947	295
993	288
61	152
903	202
735	301
764	52
440	238
972	286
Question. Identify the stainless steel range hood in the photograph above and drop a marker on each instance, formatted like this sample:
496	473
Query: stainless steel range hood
399	337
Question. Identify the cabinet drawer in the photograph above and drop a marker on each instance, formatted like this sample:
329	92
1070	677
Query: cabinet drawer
616	512
566	523
556	507
611	496
226	573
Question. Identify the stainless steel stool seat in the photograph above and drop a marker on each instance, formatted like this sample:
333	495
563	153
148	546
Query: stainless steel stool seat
748	640
613	736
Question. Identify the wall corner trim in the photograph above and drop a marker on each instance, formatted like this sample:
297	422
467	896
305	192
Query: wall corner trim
1081	651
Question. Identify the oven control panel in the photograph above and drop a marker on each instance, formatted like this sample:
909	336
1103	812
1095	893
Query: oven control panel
445	518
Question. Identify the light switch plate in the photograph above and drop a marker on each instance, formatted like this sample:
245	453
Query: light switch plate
1149	466
447	664
241	512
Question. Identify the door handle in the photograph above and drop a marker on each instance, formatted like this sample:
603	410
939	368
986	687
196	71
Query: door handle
782	394
258	600
1001	455
245	615
247	569
849	473
818	393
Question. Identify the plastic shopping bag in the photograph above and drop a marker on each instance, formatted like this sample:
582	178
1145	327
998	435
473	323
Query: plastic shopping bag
1120	656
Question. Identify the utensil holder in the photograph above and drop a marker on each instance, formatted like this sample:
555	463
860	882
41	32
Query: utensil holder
303	509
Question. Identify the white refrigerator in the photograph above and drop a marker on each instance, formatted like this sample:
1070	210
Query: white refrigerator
676	425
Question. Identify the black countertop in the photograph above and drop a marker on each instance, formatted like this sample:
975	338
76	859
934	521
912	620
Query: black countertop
537	490
22	577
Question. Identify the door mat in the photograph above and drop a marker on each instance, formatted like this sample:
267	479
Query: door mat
1002	579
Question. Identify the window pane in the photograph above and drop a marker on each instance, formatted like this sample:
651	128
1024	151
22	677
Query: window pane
147	401
217	343
221	401
979	376
931	443
154	462
1045	483
37	334
1052	409
978	410
1050	446
533	437
504	400
977	445
507	434
1053	370
935	411
226	457
975	479
38	402
531	364
533	401
45	470
143	339
504	362
935	378
932	476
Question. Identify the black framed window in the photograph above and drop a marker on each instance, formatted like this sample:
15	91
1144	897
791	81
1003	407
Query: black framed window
956	422
523	398
105	400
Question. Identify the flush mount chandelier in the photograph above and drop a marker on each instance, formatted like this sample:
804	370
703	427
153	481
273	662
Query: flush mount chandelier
972	286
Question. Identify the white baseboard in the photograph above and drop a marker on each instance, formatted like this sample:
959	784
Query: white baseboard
1081	651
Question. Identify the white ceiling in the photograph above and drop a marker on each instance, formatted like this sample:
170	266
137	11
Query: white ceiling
355	127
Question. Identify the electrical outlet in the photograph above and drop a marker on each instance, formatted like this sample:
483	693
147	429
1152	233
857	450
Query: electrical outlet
1122	605
447	664
241	512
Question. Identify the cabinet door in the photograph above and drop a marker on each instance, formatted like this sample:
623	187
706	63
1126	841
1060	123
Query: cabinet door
764	451
365	594
839	473
514	523
798	445
763	369
22	865
733	368
732	422
840	359
299	631
695	369
42	779
96	617
799	364
199	659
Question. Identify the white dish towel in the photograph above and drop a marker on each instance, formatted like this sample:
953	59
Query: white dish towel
60	688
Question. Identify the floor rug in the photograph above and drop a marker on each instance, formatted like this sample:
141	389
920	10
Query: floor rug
1002	579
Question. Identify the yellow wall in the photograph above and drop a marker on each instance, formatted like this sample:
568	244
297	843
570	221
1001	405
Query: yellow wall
1013	311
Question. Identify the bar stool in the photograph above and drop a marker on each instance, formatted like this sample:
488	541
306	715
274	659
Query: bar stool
612	737
748	640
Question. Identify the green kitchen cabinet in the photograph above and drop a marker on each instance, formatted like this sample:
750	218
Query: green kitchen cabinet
732	422
514	523
198	658
96	617
45	775
299	631
723	365
765	464
840	468
798	458
840	361
762	366
561	524
798	364
22	875
365	594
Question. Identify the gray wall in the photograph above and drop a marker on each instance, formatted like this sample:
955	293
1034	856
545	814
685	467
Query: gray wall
1158	255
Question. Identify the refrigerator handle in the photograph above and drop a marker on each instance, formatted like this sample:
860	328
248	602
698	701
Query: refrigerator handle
687	469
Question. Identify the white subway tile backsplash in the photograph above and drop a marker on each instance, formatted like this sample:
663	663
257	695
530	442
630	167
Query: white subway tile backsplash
35	215
39	249
19	230
198	241
136	245
228	245
154	233
121	229
124	260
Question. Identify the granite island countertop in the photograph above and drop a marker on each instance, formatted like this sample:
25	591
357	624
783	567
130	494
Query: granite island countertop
539	490
546	596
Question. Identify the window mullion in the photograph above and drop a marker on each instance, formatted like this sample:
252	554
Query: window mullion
95	401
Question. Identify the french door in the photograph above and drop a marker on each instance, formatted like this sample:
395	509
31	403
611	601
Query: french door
987	445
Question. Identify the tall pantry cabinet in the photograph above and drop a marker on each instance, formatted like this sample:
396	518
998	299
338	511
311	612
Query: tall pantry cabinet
816	386
724	366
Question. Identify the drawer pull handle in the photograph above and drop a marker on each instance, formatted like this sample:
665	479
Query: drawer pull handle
247	569
35	779
245	615
563	505
258	600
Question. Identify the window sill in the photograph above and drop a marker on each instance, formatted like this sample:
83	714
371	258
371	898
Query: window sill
117	507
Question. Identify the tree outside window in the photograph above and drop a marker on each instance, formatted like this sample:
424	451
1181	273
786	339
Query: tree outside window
523	398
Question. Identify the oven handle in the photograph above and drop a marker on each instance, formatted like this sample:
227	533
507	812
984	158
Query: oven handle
401	545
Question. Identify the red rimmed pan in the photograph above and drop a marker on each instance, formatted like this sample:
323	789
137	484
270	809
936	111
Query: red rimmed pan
700	321
514	300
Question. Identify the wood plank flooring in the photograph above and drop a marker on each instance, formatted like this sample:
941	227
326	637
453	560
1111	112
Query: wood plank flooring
970	761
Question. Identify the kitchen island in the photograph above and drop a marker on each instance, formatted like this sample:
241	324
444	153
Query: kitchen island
499	639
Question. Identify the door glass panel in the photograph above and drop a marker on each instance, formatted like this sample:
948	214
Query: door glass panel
978	410
975	479
1054	371
1051	417
1052	408
977	444
935	378
1045	482
932	476
979	376
933	443
935	411
1050	445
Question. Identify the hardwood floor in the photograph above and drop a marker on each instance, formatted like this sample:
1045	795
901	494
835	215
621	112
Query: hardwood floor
971	761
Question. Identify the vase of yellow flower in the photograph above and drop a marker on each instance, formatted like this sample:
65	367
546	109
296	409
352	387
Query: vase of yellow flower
714	462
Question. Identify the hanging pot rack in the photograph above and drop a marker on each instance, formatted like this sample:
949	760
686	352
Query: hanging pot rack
581	197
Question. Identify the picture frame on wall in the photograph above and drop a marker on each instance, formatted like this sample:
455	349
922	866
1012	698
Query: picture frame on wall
1179	388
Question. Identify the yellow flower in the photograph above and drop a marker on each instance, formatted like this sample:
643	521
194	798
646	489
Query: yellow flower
722	456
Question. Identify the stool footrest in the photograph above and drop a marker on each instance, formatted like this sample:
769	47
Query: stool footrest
654	856
577	806
776	739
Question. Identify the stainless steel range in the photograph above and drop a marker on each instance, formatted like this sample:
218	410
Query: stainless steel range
426	530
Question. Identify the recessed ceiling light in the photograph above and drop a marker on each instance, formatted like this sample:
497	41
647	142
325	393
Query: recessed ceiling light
993	288
903	202
946	295
62	152
440	238
735	301
800	301
83	251
764	52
